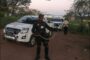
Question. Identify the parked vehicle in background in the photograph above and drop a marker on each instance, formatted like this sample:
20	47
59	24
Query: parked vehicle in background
21	29
56	23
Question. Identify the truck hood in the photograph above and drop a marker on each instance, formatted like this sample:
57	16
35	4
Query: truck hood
18	25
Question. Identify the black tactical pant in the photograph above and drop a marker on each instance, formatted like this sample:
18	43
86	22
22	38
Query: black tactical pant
40	41
65	30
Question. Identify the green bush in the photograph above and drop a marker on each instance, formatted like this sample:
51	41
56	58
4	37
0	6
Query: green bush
73	26
1	14
78	27
5	20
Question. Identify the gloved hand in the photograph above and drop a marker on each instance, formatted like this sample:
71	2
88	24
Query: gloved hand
56	29
35	34
59	29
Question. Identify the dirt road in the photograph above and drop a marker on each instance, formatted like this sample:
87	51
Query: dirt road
61	47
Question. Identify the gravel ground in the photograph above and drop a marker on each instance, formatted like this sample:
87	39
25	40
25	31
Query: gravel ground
61	47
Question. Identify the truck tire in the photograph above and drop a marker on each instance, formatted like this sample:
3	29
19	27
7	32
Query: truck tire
32	41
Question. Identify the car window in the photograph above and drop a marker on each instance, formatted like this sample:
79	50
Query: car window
57	20
27	20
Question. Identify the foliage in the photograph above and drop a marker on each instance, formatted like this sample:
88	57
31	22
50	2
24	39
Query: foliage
14	2
6	20
80	9
10	6
81	12
76	27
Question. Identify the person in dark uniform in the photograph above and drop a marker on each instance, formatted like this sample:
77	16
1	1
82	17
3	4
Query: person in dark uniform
65	27
39	28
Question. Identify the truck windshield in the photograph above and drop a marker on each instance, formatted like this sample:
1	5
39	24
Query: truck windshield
57	20
28	20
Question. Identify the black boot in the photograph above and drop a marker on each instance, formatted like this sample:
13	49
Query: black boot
47	58
38	53
37	58
46	53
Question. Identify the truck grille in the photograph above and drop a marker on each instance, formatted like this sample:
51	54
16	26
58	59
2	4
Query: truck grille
55	24
12	31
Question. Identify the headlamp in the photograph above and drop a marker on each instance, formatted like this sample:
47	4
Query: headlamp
25	30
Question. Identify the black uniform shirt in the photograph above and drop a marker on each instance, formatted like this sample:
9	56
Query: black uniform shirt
40	27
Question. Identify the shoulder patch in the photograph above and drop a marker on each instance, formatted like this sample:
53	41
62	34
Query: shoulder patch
42	27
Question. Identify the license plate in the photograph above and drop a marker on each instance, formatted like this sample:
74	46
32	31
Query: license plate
9	34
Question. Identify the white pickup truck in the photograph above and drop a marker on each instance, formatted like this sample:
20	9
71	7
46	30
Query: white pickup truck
56	23
20	30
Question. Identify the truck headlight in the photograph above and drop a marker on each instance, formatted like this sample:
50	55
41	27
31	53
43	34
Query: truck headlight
4	31
25	30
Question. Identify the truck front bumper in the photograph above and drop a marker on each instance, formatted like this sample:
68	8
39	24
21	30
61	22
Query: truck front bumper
9	37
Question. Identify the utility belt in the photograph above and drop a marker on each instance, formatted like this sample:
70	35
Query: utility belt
45	36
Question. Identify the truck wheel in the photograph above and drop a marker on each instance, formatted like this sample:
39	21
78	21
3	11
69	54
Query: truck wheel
32	41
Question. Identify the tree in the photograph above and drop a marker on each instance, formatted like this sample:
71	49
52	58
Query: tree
12	5
82	8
